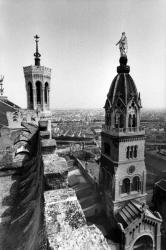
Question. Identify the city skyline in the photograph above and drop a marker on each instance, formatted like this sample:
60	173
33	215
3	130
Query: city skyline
77	40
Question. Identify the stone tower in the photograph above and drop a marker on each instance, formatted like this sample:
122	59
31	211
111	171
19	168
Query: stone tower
37	80
123	171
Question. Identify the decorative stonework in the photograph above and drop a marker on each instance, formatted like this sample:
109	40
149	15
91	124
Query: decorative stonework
37	80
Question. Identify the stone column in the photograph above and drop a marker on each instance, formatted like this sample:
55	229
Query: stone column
158	237
28	97
48	98
42	99
143	183
120	189
34	98
130	186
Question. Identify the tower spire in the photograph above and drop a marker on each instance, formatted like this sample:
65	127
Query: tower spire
37	54
1	85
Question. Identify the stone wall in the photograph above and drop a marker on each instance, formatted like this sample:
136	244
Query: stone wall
21	190
37	209
66	224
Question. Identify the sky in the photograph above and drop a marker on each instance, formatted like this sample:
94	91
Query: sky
77	41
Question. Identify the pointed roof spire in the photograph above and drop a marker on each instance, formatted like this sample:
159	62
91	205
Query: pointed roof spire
37	54
1	85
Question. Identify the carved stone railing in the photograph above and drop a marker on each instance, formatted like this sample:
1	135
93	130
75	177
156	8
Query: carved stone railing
37	69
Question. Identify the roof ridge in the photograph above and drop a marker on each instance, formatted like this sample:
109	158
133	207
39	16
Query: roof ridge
15	108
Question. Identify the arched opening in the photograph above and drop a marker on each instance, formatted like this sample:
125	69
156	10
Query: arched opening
131	152
134	121
145	242
30	93
130	121
38	92
46	92
128	152
126	186
108	118
135	151
136	184
121	121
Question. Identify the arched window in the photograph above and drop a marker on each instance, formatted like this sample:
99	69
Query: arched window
119	120
130	121
46	92
128	152
38	92
131	152
107	148
136	184
144	242
134	124
30	92
108	118
126	186
135	151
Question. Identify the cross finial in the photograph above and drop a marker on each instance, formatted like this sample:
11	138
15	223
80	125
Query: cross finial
36	37
37	54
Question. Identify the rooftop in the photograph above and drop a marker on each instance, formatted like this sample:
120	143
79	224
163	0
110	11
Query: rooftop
6	106
131	211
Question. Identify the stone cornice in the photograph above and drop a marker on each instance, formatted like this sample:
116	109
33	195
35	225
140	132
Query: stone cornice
37	70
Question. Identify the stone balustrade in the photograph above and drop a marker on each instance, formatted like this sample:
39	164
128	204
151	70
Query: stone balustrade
123	131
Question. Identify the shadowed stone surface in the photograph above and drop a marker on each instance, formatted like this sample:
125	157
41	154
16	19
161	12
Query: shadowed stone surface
21	190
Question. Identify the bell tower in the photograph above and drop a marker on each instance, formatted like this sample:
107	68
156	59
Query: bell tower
122	171
37	80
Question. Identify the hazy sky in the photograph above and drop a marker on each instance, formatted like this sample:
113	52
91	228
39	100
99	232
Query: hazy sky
77	40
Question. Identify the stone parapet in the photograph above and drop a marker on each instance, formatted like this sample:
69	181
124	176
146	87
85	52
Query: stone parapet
55	171
21	190
32	69
66	224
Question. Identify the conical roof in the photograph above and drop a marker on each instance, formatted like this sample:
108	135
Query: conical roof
122	86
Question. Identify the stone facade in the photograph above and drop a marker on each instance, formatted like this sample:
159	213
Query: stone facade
37	79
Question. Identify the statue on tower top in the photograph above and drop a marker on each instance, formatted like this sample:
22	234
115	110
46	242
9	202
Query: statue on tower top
123	45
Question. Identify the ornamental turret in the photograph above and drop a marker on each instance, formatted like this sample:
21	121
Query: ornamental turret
37	80
123	103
